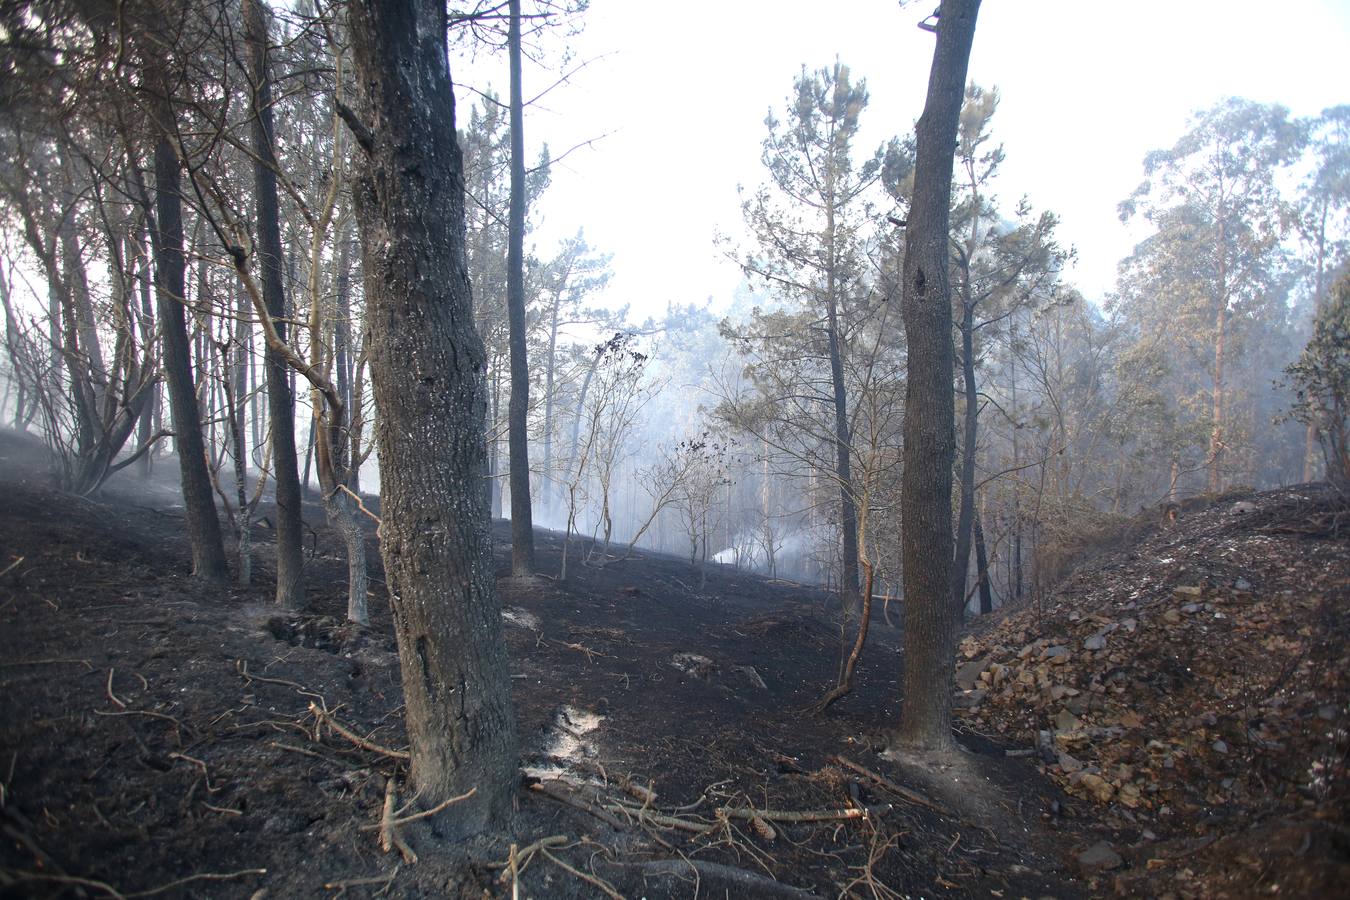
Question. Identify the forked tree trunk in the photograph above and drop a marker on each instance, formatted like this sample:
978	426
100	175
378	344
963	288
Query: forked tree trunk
926	508
280	398
427	368
522	515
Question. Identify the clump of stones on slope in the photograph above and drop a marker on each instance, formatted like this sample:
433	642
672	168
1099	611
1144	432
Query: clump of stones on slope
1170	699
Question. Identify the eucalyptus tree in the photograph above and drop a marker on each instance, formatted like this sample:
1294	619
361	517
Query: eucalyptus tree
1220	220
1324	216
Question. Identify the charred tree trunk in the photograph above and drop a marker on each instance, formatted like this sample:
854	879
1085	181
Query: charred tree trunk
280	399
966	514
427	367
208	549
522	518
926	511
982	570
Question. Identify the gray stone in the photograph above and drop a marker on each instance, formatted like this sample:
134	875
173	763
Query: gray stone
1096	642
1067	721
969	699
1243	507
1069	764
969	674
1100	857
1242	584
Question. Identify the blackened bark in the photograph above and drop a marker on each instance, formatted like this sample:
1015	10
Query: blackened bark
848	507
208	549
280	398
982	570
966	513
926	510
522	515
427	368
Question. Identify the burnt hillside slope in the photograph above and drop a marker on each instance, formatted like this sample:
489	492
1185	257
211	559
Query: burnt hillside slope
1194	690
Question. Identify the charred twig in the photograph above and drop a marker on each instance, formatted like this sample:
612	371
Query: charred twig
203	876
148	713
326	718
404	820
241	666
902	792
45	662
109	691
385	880
519	859
810	815
571	799
582	648
595	880
199	764
647	817
389	836
224	810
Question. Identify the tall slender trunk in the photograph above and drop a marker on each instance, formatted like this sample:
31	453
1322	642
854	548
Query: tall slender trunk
843	442
522	515
1216	434
238	378
929	445
549	364
982	569
1016	557
1310	445
427	366
208	548
145	427
280	399
966	514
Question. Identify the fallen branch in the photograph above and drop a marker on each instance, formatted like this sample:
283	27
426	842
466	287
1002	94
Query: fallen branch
516	864
590	879
810	815
12	566
647	817
571	799
326	718
426	813
902	792
389	836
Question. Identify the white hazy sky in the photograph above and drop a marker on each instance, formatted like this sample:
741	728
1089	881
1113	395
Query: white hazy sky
1088	87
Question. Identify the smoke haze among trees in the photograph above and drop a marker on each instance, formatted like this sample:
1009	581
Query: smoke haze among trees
227	244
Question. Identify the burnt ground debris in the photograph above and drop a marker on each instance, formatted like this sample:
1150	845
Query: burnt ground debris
158	737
